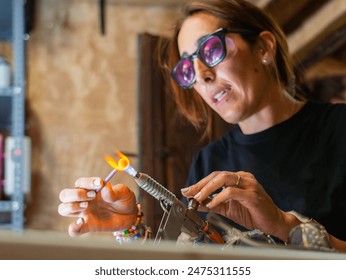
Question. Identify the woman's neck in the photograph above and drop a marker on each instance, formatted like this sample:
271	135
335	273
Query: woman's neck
278	108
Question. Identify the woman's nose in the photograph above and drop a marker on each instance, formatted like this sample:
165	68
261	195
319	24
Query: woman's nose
204	74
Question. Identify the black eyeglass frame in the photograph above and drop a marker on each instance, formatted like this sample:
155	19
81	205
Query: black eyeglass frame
221	34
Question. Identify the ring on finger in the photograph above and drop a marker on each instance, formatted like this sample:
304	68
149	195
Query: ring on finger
238	181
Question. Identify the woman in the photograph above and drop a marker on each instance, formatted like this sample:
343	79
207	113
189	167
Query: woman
282	154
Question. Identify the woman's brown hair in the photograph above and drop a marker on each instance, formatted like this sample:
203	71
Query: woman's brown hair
238	14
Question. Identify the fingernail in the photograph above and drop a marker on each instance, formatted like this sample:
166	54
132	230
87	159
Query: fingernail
97	182
79	221
185	189
197	195
91	194
208	205
83	204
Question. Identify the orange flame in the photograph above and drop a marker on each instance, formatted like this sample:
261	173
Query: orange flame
119	165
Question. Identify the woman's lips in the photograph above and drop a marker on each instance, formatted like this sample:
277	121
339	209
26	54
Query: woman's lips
219	96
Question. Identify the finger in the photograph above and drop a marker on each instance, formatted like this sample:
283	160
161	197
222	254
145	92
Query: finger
232	178
196	188
218	182
237	182
225	179
90	183
242	179
225	195
72	209
72	195
245	190
221	180
107	193
119	195
77	228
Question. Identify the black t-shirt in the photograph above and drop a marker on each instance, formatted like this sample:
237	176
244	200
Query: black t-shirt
301	162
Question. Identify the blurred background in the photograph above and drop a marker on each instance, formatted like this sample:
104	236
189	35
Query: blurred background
89	84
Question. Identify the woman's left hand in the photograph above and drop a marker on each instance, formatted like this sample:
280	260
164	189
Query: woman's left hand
242	199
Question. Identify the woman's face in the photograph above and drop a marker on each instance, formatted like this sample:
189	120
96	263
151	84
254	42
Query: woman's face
235	88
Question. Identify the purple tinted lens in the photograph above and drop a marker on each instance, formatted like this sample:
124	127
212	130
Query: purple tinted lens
184	73
212	51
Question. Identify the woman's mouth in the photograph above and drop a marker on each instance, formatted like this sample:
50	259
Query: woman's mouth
220	95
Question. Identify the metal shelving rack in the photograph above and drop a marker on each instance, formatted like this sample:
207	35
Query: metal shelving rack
12	108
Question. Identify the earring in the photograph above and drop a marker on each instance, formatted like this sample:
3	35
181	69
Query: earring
265	61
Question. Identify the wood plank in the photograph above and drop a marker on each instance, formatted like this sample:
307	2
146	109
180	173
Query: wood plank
326	67
332	45
175	3
290	8
262	3
178	3
316	29
151	131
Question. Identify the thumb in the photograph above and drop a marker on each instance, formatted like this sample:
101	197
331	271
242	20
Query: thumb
76	228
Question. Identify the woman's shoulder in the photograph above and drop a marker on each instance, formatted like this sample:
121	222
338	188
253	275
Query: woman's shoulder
326	107
324	112
326	118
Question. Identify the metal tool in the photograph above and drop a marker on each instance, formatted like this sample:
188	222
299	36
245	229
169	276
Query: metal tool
177	216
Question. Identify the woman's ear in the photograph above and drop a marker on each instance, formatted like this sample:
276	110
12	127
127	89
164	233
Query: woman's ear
267	47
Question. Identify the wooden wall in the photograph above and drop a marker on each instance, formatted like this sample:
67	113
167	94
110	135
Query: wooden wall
82	94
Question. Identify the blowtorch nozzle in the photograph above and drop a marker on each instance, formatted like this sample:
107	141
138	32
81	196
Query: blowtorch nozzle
151	186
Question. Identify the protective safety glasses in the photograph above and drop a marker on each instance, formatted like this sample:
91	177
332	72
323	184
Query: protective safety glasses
211	50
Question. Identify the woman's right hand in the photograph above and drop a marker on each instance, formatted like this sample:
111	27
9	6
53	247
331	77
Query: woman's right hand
97	207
